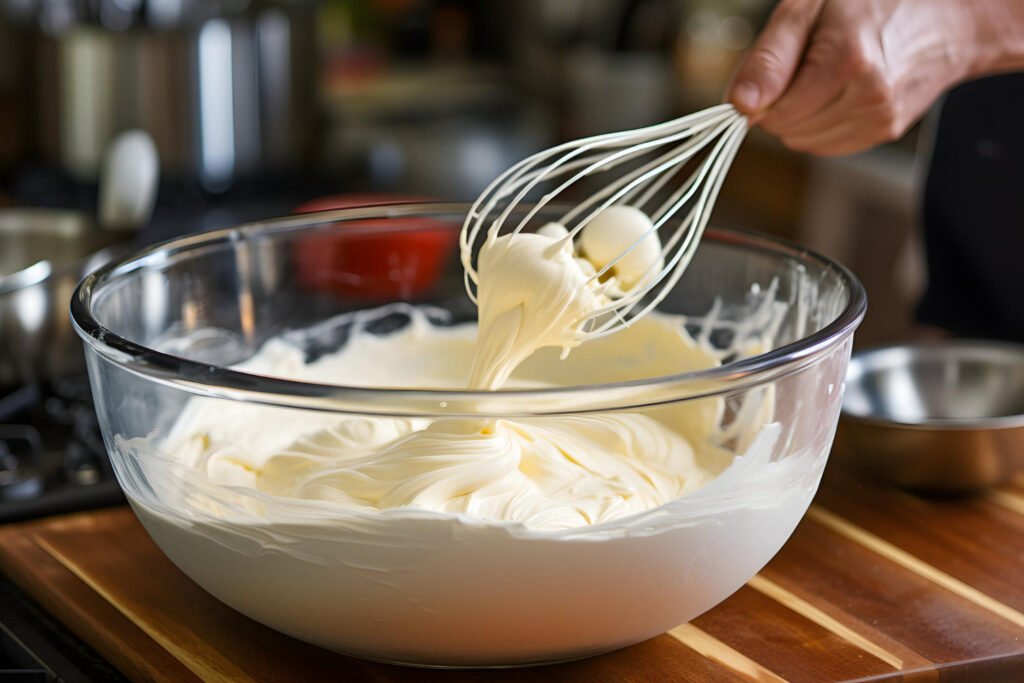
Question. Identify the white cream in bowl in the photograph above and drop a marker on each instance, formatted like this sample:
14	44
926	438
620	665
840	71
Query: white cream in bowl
466	541
251	503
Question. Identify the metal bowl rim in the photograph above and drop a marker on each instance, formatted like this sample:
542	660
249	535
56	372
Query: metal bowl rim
934	424
43	270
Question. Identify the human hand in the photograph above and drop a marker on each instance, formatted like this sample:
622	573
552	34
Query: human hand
835	77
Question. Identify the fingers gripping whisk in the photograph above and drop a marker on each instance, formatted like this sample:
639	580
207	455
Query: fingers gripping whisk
632	169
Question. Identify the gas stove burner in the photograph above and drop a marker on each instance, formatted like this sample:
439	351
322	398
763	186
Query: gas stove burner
18	401
52	457
21	449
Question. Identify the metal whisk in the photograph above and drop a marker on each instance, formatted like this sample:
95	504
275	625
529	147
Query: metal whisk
657	153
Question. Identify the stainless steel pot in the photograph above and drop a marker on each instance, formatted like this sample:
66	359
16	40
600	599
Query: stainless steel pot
224	93
43	255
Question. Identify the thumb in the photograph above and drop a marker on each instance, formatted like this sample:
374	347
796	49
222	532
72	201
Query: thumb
767	69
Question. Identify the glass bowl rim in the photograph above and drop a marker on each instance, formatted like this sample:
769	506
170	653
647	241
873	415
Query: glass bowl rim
217	381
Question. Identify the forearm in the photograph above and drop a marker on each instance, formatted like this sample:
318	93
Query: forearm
999	28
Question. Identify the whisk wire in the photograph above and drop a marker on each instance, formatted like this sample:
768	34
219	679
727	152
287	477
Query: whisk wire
670	275
673	145
603	162
512	179
678	199
652	171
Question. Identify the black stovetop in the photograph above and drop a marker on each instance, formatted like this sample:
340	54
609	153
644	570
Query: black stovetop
52	457
52	461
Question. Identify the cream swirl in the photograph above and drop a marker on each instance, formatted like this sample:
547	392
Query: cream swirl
552	473
544	473
533	292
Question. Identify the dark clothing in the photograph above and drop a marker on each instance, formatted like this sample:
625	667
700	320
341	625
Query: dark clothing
974	212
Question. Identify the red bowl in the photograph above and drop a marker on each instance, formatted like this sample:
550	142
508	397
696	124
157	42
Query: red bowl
374	258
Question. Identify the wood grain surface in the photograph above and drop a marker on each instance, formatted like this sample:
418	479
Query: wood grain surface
875	584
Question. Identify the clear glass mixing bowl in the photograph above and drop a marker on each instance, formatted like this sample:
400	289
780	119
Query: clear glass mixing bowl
162	327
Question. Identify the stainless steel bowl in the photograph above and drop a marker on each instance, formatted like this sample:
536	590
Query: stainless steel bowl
43	255
944	415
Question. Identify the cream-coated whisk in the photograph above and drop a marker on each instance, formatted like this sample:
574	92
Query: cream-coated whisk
654	155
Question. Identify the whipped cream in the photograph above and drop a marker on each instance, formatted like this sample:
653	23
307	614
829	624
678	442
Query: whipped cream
425	586
470	541
535	290
544	473
549	473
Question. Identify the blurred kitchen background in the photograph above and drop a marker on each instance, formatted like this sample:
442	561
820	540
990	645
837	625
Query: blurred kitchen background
259	106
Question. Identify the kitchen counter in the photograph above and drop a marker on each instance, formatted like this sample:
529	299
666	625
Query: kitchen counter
875	584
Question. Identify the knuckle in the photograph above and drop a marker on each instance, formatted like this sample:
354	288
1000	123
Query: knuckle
880	92
857	62
765	60
842	55
888	125
895	128
828	51
882	98
767	67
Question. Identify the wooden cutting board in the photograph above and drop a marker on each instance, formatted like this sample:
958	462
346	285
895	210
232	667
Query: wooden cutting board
875	584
